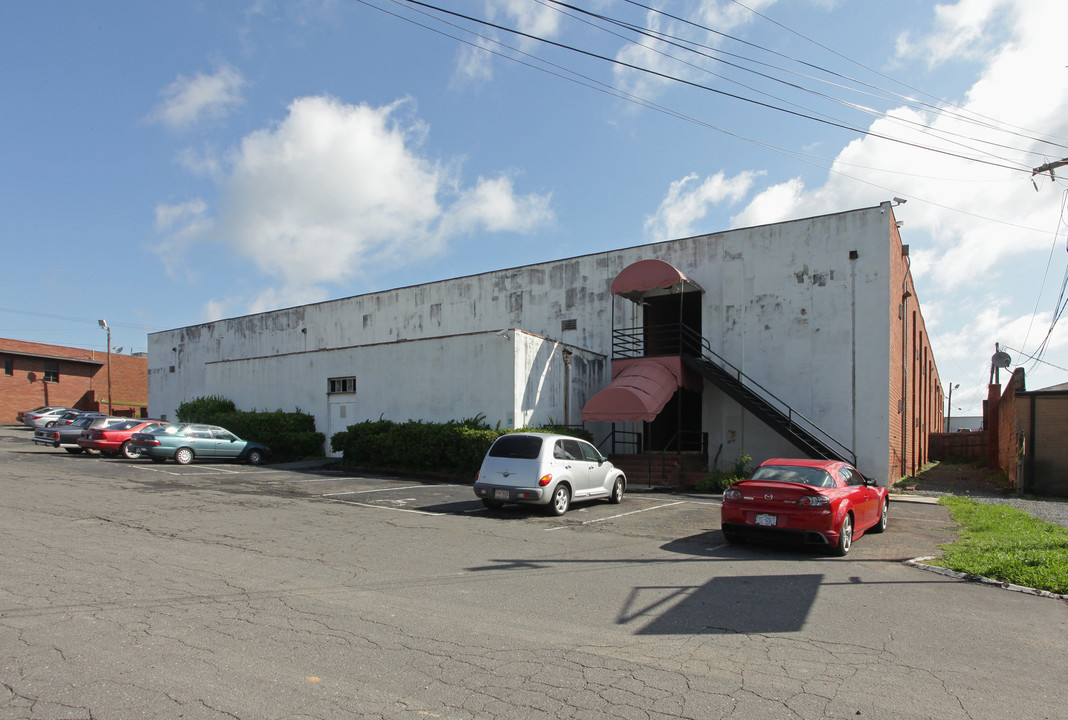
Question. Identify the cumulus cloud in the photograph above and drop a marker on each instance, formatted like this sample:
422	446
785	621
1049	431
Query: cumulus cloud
335	190
190	100
973	227
962	30
724	16
181	226
689	200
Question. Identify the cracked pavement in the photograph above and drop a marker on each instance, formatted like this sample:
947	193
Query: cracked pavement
217	593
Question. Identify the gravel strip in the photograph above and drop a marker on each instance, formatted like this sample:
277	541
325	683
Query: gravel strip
1053	510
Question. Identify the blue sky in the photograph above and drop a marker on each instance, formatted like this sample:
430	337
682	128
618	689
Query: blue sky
165	164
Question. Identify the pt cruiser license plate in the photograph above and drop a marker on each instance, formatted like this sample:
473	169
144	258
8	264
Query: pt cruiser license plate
500	494
763	519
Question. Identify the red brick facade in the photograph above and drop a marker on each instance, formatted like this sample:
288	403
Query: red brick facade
1027	431
916	398
36	374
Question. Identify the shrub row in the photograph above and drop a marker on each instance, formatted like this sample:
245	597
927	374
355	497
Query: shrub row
289	435
455	448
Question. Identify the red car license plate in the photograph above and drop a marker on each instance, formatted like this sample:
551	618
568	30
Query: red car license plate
765	519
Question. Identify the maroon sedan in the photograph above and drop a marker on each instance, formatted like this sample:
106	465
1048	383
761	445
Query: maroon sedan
818	502
115	440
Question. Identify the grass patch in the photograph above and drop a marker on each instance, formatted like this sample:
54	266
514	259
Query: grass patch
1008	545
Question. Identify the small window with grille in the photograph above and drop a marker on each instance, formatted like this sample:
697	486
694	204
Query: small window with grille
51	371
342	385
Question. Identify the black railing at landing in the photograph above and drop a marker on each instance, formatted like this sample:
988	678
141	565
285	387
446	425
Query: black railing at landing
684	341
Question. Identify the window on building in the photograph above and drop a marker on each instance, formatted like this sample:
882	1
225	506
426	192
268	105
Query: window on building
342	385
9	366
51	371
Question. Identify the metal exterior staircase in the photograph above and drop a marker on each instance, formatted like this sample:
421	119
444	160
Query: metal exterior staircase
697	353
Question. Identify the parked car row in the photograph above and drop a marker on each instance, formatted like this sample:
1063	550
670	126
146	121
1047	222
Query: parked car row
158	440
825	503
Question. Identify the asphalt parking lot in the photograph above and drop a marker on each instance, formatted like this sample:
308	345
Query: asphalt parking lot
688	521
135	589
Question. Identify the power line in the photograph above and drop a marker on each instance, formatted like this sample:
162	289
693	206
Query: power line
570	75
593	55
50	316
683	43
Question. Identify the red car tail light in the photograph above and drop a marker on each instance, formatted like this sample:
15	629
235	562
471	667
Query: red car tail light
732	494
545	480
814	501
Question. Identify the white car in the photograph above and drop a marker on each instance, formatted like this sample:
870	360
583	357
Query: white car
543	469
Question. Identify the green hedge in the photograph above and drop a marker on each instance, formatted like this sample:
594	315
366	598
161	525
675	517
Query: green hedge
289	435
454	448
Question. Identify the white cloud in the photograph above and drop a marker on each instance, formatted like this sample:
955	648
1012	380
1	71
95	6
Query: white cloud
335	191
689	201
962	31
188	101
724	16
182	226
979	234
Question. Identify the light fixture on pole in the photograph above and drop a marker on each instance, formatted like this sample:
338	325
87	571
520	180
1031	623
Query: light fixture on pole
949	405
104	326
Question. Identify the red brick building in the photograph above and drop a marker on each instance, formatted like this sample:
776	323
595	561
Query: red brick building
36	374
916	397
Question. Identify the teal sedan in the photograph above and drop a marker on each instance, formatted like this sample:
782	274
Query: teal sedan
186	442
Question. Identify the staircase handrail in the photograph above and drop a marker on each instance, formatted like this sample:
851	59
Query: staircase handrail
628	340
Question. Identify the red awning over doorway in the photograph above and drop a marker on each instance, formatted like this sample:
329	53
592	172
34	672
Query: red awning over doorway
639	391
648	275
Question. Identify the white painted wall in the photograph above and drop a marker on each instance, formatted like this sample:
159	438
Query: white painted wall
516	379
783	302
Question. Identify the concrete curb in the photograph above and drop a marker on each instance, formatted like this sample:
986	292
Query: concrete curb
966	577
922	499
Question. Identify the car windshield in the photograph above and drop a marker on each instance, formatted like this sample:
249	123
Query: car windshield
792	473
525	447
127	425
172	429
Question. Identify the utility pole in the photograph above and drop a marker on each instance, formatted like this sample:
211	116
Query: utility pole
1047	168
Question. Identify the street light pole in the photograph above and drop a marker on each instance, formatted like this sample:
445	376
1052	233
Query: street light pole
104	325
949	405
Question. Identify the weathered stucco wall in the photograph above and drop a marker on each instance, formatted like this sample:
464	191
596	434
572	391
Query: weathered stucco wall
801	307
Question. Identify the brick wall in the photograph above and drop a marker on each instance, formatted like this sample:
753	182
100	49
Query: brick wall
82	380
915	391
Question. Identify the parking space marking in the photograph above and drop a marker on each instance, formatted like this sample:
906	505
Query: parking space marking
360	492
632	512
386	507
190	472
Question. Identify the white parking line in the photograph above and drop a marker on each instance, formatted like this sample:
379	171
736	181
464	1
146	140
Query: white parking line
385	507
191	472
632	512
360	492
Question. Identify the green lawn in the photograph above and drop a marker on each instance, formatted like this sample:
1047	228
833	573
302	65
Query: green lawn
1008	545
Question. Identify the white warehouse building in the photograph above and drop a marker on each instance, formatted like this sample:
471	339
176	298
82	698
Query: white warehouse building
800	338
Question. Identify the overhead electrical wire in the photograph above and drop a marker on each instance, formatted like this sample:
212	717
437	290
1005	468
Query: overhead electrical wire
570	75
687	45
597	56
989	122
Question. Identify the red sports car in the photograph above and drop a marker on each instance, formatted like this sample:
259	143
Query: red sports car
113	440
817	502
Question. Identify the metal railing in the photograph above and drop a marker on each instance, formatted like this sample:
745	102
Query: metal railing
682	340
